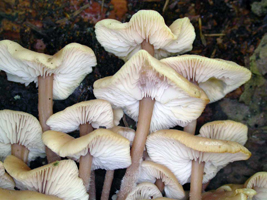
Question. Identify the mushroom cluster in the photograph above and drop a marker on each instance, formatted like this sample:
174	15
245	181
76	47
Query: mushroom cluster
157	91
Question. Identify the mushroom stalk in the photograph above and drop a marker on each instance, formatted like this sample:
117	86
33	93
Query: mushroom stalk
20	152
107	184
159	183
196	180
92	189
146	106
148	47
85	161
45	109
191	127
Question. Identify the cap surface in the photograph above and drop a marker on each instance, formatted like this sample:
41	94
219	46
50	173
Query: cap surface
216	77
20	128
144	191
258	182
124	39
177	101
6	181
24	195
110	151
151	171
70	65
59	178
176	149
96	112
225	130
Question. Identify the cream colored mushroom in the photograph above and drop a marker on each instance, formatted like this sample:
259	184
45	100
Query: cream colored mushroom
6	181
125	39
59	178
258	182
20	135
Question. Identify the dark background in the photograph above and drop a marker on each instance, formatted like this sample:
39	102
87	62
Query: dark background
229	30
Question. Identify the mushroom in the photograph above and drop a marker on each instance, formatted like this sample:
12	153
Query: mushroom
144	191
20	135
128	133
85	116
57	76
109	150
229	192
182	153
152	172
23	195
6	181
216	77
146	30
59	178
155	96
258	182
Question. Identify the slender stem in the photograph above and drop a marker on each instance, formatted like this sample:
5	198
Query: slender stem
146	106
85	161
159	183
196	180
20	152
107	184
191	127
45	108
92	189
148	47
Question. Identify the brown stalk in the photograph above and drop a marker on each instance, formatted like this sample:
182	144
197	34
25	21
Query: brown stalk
146	106
191	127
159	183
20	152
107	184
85	161
45	109
92	189
196	180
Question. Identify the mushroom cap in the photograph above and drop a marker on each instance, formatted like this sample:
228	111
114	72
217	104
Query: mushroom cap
70	65
225	130
126	132
151	171
110	150
258	182
144	191
216	77
124	39
6	181
177	101
96	112
176	150
23	195
59	178
21	128
229	191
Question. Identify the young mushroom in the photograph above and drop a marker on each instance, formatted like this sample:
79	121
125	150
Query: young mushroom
108	150
57	76
153	172
155	96
20	135
146	30
144	191
258	182
6	181
216	77
182	153
59	178
85	116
